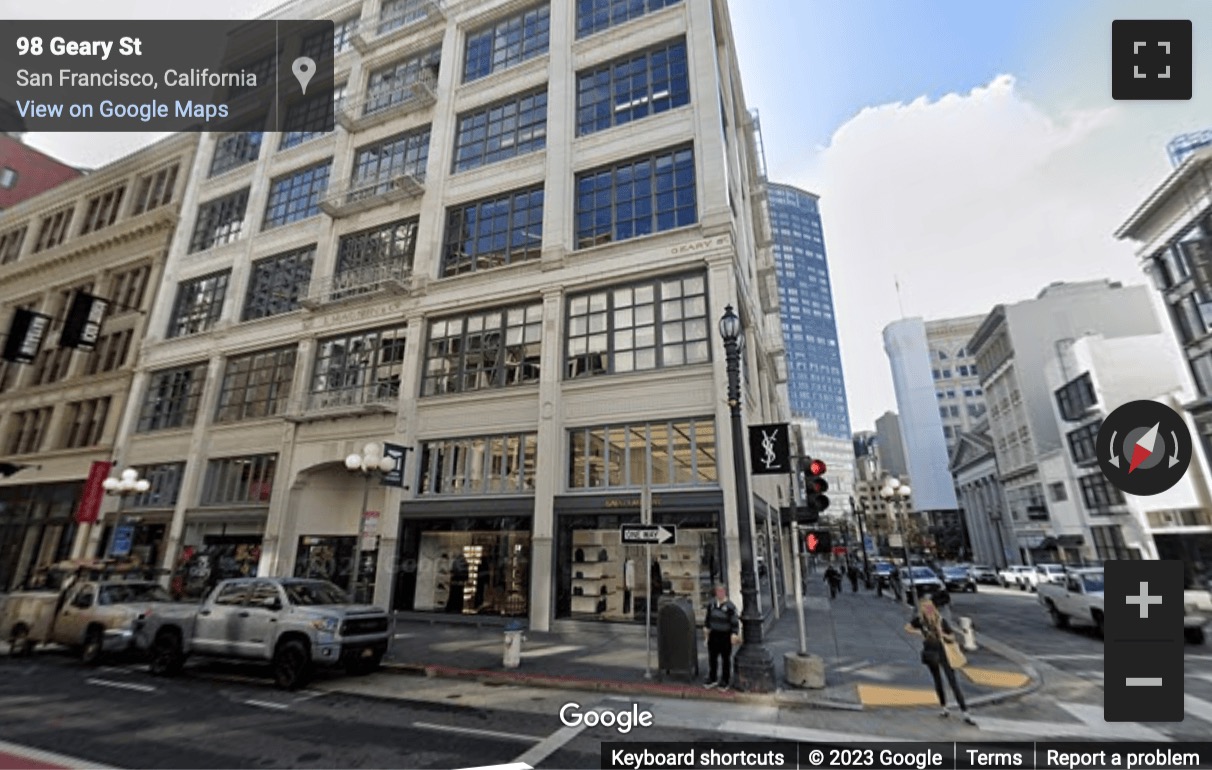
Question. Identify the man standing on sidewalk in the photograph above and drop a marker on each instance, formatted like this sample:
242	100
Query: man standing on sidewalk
721	625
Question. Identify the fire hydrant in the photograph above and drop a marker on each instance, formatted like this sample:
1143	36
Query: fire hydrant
513	645
967	634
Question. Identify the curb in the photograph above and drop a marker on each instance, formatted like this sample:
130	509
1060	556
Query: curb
1018	658
680	691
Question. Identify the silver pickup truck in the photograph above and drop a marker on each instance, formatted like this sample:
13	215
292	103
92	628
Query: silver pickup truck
291	623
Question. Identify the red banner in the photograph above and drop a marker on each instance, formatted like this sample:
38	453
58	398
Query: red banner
90	499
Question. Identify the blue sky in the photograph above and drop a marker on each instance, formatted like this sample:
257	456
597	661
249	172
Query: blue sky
967	148
840	56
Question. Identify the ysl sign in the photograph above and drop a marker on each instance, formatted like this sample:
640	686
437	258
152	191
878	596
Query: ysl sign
770	448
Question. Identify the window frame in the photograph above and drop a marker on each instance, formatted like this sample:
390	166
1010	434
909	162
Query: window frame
522	372
184	386
225	476
498	56
240	402
460	216
307	185
612	456
645	206
206	306
445	465
288	274
474	137
219	221
621	70
609	7
610	330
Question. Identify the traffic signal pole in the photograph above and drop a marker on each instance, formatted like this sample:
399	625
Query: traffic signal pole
795	558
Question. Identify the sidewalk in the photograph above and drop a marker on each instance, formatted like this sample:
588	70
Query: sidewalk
870	661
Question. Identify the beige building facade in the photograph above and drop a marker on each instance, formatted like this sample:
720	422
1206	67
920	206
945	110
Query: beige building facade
104	234
501	259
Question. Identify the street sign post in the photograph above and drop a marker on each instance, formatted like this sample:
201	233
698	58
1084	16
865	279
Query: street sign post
648	534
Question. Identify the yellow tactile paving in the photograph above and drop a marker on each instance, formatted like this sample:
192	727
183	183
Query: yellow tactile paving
883	695
988	677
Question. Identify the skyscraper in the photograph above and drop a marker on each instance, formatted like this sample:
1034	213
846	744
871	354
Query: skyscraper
814	367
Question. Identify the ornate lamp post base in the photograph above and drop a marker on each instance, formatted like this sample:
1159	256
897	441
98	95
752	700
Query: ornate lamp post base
753	669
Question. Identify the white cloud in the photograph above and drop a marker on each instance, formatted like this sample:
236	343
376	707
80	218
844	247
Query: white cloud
970	200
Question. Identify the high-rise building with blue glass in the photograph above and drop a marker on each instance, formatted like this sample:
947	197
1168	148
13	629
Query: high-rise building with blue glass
814	366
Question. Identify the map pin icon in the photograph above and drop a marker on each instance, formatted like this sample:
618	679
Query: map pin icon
304	67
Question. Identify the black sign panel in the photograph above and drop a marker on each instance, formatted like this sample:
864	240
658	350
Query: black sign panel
25	335
395	476
83	324
770	448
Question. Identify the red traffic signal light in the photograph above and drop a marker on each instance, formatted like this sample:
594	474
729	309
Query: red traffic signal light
817	467
819	541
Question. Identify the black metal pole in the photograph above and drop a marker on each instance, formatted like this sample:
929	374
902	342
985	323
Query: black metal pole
754	663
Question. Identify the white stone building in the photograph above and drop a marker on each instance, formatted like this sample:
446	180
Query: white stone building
508	258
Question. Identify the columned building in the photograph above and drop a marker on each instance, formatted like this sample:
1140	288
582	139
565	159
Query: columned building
978	490
102	235
511	257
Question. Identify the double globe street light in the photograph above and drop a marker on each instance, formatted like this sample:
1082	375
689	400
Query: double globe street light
897	494
123	486
754	663
373	460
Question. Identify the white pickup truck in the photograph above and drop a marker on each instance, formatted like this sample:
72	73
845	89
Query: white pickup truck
293	624
1079	599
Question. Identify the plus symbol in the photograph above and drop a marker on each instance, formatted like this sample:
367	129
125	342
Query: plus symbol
1144	600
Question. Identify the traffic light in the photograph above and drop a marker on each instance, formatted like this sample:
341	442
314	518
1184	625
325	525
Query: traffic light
819	541
815	487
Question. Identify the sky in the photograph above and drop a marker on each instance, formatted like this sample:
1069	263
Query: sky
969	151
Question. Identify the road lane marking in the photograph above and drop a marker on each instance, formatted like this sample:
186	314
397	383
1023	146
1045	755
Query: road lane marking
477	731
49	757
121	685
550	745
266	704
790	733
556	650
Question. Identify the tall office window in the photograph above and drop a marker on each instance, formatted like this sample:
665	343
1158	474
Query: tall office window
633	87
490	349
507	43
219	221
636	197
513	126
296	196
256	385
377	165
199	304
597	15
172	398
493	232
277	283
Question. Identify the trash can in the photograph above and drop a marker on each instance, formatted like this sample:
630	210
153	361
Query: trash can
513	645
967	634
677	639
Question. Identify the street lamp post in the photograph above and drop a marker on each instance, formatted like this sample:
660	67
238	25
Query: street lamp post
897	494
371	461
860	511
754	663
123	486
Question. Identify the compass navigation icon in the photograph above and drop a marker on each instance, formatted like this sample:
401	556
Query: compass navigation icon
1144	448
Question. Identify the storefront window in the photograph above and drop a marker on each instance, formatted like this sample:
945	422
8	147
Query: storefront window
325	558
679	453
219	557
600	579
465	566
479	465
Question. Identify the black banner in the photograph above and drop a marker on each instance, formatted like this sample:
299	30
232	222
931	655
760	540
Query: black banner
395	476
25	335
770	448
83	324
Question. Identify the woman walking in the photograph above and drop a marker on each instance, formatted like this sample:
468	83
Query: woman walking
936	632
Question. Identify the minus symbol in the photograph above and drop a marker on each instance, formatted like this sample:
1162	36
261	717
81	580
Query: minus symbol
1143	681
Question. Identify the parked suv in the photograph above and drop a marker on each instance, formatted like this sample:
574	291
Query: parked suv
1015	575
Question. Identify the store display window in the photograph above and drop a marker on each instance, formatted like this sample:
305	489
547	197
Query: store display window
219	557
325	558
465	566
600	579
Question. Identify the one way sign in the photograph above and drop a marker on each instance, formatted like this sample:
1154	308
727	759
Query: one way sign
648	534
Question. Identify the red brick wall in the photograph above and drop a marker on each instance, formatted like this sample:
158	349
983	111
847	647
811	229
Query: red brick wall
36	171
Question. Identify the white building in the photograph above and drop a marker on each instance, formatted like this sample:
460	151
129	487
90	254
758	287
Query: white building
507	258
1172	231
921	424
1013	347
1090	378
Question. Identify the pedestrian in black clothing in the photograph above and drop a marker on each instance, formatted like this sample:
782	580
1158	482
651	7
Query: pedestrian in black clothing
722	626
935	633
853	574
833	576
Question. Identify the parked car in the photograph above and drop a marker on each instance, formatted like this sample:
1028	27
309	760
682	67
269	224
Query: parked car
88	607
292	623
984	574
924	580
959	579
1079	599
883	573
1047	573
1015	575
